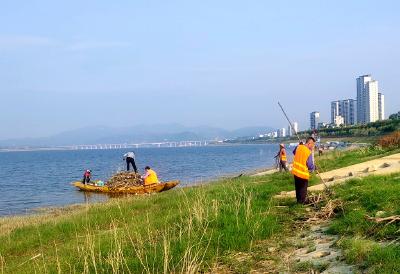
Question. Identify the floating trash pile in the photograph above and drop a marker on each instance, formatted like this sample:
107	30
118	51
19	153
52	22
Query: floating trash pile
124	179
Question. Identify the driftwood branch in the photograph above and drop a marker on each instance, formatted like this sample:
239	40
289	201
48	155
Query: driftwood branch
387	220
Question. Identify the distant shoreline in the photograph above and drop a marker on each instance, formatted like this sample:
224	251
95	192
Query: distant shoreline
70	149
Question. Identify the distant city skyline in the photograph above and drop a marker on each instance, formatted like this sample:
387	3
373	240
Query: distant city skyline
368	107
66	65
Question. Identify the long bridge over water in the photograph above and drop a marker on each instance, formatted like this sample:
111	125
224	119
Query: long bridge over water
138	145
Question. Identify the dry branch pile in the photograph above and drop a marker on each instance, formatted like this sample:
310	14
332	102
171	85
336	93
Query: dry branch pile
330	209
124	179
324	206
314	199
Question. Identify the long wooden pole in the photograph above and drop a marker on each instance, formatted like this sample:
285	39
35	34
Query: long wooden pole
291	125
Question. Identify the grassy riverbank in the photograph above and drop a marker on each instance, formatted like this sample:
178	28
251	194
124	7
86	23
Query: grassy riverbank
184	230
371	245
227	225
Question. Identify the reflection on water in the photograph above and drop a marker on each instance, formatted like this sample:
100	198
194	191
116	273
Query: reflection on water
38	179
90	197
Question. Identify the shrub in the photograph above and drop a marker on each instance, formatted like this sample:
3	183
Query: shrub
390	141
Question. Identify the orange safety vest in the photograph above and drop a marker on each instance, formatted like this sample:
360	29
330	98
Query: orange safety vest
152	178
283	155
300	168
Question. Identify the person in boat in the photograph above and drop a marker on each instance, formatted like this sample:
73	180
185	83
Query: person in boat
303	164
130	160
282	158
149	177
87	176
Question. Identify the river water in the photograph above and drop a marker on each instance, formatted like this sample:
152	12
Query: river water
35	179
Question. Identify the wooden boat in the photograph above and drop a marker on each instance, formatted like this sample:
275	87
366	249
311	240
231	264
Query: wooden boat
153	188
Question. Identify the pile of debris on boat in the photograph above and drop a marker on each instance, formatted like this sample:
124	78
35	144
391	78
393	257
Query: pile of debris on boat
124	179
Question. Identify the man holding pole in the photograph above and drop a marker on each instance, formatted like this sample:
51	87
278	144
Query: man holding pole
303	163
282	158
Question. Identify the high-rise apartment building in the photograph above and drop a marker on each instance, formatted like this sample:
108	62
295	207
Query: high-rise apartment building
314	120
371	102
361	97
349	112
369	107
282	132
346	109
335	110
381	106
295	129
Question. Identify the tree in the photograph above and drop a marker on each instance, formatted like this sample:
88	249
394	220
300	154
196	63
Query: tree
395	116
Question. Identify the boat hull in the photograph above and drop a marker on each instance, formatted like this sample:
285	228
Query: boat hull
154	188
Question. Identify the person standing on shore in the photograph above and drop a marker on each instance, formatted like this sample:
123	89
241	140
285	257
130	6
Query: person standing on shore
282	158
129	157
303	163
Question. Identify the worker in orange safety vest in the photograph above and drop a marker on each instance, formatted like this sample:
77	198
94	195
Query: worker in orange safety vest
282	158
303	164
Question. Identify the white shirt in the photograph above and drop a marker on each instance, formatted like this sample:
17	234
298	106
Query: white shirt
130	154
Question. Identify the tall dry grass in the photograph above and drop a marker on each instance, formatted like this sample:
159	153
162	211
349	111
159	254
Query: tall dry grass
182	231
390	141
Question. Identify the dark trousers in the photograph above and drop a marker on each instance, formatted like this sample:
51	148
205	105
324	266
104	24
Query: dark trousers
131	161
86	180
301	189
282	165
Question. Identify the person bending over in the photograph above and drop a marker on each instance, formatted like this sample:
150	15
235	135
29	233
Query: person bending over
130	160
86	176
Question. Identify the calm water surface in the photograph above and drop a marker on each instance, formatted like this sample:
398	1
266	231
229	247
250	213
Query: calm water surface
37	179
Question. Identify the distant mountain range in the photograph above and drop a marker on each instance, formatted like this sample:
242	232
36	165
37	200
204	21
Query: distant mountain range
135	134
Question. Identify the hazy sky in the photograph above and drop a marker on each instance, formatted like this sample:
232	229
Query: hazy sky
70	64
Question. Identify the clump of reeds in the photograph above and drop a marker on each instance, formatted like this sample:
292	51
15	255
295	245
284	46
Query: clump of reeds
390	141
2	263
